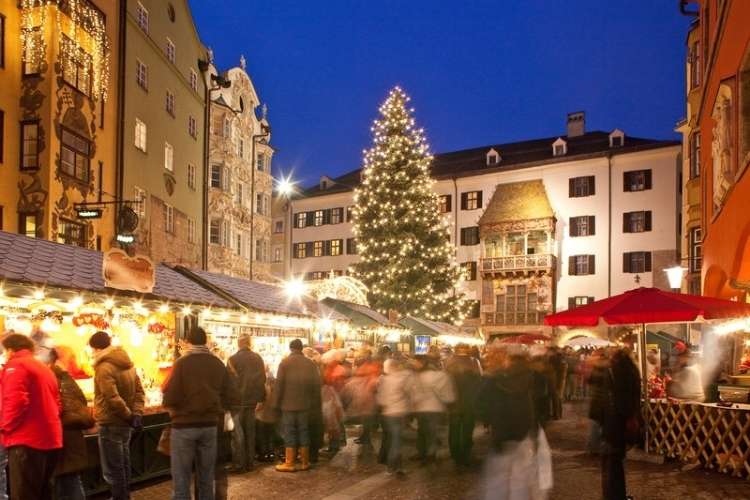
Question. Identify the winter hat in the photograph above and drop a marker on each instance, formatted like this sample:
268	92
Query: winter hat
100	340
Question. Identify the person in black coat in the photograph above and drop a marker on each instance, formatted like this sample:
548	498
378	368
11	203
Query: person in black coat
615	405
466	375
248	376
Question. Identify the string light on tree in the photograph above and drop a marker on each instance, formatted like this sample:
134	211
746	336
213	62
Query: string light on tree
406	257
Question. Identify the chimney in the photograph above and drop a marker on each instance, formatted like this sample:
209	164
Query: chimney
576	124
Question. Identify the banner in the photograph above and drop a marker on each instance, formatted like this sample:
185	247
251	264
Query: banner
122	272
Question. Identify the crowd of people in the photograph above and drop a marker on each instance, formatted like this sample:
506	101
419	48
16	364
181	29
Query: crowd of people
308	407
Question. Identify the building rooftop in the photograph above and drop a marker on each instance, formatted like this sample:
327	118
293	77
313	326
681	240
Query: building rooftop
46	263
518	201
513	156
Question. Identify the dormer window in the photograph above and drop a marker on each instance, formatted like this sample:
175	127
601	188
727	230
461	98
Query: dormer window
559	147
325	182
493	157
616	138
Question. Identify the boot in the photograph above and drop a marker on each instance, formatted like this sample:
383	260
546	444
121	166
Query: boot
288	465
304	454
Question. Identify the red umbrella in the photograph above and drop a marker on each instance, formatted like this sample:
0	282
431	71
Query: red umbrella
649	305
525	338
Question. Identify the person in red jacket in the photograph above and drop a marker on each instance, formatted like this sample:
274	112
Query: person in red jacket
30	420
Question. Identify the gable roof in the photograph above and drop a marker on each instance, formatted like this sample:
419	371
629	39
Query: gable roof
515	155
47	263
254	295
518	201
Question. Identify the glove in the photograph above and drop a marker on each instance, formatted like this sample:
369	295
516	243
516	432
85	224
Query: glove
137	422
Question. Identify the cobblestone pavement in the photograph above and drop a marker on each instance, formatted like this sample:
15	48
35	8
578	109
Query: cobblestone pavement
577	476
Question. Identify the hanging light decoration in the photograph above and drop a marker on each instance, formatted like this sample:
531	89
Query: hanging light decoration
83	42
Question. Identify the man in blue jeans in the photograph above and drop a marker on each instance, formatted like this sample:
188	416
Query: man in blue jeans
118	408
296	393
196	394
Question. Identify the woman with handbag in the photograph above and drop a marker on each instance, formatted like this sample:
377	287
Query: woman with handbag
76	417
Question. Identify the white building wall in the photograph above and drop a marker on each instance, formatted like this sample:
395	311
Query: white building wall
661	200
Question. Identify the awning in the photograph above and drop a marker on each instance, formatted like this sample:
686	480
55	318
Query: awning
360	316
32	261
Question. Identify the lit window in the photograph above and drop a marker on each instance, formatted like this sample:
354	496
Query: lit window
168	157
33	65
318	218
28	224
318	249
470	271
471	200
74	155
191	176
140	135
77	66
170	51
300	220
141	16
300	250
578	301
517	306
335	247
168	219
141	74
170	103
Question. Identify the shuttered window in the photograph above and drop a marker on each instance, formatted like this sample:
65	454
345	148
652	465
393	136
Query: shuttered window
581	265
471	200
636	222
636	262
583	225
579	187
637	180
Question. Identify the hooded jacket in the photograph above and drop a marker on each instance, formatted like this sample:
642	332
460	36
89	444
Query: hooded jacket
30	404
393	392
118	394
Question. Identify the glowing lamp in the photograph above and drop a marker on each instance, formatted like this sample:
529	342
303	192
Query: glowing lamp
674	275
294	288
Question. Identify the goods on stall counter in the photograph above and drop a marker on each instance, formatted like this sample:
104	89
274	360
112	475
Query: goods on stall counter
96	320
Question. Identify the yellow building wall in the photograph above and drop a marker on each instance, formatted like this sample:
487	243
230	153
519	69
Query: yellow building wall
48	99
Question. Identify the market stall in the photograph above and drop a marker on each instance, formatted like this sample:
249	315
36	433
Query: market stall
427	333
61	294
368	328
266	313
707	434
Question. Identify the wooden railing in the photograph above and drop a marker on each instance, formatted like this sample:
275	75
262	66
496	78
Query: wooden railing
711	436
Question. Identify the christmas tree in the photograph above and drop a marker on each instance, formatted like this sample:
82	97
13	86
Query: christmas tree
406	257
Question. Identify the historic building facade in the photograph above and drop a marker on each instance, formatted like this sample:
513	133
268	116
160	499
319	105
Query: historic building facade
723	121
162	169
58	125
539	225
692	200
240	182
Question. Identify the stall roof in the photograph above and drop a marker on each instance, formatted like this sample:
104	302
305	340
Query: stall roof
46	263
254	295
422	326
361	316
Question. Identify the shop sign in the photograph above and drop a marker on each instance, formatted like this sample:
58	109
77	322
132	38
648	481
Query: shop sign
122	272
421	344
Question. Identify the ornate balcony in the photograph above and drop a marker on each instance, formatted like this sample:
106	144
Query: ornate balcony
542	263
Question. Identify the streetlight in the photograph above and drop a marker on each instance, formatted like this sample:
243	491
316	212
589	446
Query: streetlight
674	275
294	288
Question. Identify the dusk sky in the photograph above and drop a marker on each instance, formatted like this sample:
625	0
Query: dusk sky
478	72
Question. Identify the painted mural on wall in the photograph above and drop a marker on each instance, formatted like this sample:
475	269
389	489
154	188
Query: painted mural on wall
722	147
